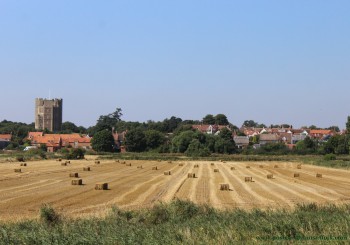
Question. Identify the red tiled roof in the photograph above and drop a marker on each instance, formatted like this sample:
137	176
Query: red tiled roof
6	137
321	131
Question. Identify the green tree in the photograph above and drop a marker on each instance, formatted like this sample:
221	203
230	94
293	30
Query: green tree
209	119
107	121
195	148
103	141
154	139
181	142
226	134
348	125
221	119
135	140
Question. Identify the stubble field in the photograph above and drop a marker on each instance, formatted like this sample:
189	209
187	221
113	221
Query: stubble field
22	194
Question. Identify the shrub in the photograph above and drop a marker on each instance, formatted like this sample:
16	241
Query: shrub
48	215
330	157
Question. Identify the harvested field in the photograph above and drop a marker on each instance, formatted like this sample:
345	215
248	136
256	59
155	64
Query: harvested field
22	194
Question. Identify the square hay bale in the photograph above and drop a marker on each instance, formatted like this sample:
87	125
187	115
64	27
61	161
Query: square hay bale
296	175
319	175
128	164
86	169
181	164
299	166
18	170
233	168
101	186
139	166
77	181
224	187
97	162
191	175
261	166
196	166
63	164
75	175
276	166
167	173
155	168
248	179
247	166
216	170
270	176
24	164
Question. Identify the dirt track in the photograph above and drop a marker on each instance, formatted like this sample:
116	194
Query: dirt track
22	194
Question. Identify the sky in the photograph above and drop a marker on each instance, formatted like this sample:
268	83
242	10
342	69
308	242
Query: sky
269	61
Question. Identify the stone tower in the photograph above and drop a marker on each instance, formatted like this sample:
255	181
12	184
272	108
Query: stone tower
48	114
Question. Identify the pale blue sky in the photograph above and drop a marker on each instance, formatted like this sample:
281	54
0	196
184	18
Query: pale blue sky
270	61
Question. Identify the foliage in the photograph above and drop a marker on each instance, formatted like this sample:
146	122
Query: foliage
154	139
330	157
135	140
221	119
182	222
106	122
74	153
348	125
209	119
253	124
48	215
103	141
69	127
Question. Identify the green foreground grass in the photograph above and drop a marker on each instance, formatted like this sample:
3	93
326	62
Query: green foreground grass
182	222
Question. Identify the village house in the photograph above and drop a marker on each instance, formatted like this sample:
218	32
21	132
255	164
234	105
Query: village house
5	140
241	141
53	142
269	139
210	129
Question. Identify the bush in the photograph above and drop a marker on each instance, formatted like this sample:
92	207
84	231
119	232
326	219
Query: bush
330	157
48	215
75	153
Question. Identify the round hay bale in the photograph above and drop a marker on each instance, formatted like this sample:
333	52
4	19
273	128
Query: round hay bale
167	173
63	163
86	169
155	168
196	166
23	164
233	168
75	175
97	162
270	176
18	170
216	170
247	166
139	166
276	166
296	175
319	175
128	164
181	164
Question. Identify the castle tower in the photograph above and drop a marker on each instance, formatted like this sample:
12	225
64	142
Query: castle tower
48	114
